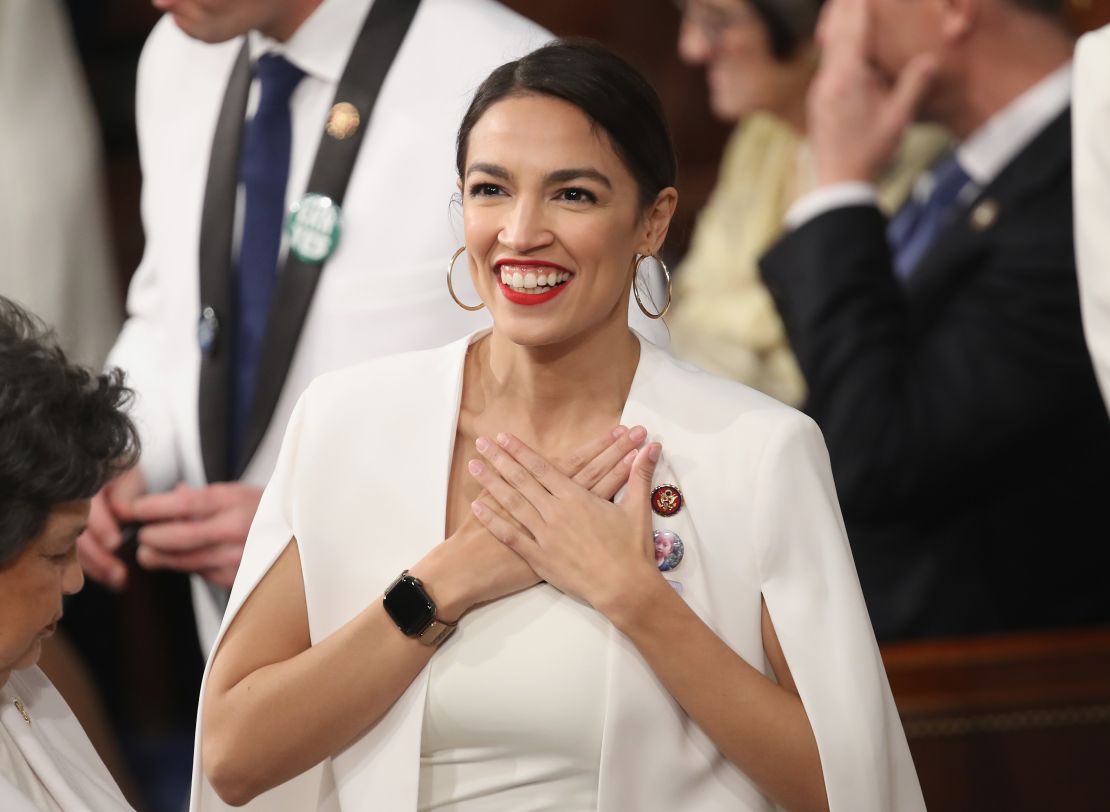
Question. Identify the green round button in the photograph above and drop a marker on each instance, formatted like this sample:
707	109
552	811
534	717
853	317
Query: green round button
313	227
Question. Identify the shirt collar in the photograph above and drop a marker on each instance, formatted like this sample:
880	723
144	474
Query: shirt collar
323	43
986	151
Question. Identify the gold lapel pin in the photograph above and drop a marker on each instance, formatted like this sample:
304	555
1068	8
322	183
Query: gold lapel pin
343	121
22	711
984	214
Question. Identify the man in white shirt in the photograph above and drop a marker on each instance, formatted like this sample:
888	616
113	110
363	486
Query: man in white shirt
382	289
943	351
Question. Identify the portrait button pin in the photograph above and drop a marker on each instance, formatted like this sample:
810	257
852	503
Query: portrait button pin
669	549
208	329
666	500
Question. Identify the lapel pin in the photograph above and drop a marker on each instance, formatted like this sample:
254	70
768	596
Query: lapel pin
343	121
313	228
19	706
984	214
669	549
666	500
208	329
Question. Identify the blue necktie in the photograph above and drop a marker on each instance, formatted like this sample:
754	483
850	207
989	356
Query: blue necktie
263	173
916	224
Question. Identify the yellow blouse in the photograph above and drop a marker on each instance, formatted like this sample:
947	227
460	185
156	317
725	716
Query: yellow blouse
722	317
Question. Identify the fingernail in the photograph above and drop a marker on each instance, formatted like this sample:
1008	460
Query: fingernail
629	457
618	432
117	579
654	450
481	443
503	439
476	507
474	467
637	434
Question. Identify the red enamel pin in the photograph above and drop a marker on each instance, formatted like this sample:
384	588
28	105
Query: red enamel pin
666	500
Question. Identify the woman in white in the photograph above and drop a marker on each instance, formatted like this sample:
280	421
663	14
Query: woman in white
63	437
582	677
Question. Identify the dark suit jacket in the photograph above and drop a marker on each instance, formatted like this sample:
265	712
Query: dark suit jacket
969	444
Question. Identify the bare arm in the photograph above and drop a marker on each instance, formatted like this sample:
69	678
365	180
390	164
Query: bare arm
758	725
603	553
266	661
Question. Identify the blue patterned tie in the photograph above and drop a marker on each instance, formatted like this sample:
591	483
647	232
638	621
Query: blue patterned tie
263	173
913	228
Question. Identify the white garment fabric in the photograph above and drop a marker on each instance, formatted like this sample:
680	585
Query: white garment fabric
16	772
383	290
58	260
761	520
48	764
1091	176
982	155
514	709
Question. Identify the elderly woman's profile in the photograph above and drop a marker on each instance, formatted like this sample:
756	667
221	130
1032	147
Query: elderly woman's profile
450	596
63	434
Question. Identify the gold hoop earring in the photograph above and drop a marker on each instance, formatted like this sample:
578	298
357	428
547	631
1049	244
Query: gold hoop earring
635	286
451	288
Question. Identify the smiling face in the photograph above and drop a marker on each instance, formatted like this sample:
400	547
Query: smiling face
553	221
33	583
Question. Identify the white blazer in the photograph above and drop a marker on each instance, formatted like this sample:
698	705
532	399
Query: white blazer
761	518
56	749
1091	174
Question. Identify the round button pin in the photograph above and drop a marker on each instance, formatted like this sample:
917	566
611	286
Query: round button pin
208	329
666	500
313	227
669	549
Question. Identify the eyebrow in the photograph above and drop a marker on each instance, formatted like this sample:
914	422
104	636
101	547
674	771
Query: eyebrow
558	176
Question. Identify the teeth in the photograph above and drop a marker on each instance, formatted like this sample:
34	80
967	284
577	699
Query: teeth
528	281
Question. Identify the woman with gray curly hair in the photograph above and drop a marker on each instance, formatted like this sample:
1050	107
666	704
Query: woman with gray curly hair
63	434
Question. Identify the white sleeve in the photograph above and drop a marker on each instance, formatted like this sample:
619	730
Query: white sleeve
140	350
827	198
1091	177
813	596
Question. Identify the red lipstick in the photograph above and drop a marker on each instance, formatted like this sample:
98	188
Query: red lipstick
529	298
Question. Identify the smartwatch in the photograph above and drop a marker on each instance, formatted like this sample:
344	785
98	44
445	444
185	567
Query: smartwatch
414	612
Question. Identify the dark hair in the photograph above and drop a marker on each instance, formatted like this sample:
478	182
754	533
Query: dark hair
1054	9
789	23
611	93
63	433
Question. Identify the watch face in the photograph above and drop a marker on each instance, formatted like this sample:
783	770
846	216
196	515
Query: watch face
409	606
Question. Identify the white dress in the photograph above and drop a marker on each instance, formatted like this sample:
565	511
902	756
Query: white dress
515	708
361	483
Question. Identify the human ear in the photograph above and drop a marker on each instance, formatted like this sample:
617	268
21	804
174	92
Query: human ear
956	17
657	218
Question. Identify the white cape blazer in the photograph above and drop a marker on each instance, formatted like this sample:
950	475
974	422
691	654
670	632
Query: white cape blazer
56	748
361	482
1091	179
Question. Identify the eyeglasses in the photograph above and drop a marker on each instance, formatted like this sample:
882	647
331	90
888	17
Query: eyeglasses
713	20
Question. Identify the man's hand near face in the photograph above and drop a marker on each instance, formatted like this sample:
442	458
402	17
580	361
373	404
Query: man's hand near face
857	116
